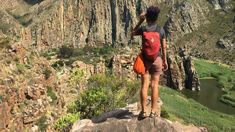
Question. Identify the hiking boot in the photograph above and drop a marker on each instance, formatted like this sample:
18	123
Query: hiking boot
153	115
142	115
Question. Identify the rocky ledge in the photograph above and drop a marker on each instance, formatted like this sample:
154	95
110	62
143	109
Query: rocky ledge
125	120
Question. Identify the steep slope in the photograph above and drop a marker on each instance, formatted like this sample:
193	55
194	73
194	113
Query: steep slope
206	32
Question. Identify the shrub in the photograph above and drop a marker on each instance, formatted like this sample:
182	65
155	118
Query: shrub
76	76
58	64
72	108
64	123
47	73
165	114
48	54
4	42
94	101
104	93
1	98
51	94
21	68
65	52
41	123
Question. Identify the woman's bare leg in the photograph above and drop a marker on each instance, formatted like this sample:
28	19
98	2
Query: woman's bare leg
144	91
154	92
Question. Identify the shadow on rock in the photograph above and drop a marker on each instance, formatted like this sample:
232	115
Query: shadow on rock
117	113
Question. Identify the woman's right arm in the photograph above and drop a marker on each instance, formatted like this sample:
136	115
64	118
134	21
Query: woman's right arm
134	31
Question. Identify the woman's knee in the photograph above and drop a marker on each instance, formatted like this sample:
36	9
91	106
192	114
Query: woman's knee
155	77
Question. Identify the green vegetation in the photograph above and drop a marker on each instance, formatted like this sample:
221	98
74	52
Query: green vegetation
65	51
76	76
48	54
92	55
179	108
104	93
87	54
4	42
51	94
224	74
94	101
5	27
203	40
21	68
41	123
64	123
229	98
24	20
22	106
47	73
58	64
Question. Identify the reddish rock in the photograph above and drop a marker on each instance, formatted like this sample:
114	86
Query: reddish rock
33	92
4	116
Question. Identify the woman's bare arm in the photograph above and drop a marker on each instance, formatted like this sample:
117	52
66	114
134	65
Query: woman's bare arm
142	18
164	46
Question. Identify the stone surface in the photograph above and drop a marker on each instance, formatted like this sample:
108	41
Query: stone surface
220	4
122	65
34	92
34	110
125	120
4	116
228	43
181	71
185	17
54	23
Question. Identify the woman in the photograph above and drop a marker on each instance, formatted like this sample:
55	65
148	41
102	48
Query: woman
154	60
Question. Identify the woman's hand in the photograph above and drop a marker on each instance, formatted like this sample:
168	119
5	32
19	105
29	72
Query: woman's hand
165	65
142	17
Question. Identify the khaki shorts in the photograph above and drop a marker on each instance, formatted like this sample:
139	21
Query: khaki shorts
154	67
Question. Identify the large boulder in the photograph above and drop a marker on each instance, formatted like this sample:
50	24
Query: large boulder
133	125
125	120
226	43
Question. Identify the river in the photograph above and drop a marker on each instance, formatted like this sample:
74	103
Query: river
209	96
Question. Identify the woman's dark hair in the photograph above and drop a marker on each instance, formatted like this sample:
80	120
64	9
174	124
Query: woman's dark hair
152	13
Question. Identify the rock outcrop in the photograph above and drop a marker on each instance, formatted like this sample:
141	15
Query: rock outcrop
126	120
220	4
132	125
227	42
185	17
54	23
4	115
182	73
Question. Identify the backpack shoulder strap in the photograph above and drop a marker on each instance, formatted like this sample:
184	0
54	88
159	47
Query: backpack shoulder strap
158	29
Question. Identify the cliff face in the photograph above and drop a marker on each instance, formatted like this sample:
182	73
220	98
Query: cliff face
186	17
77	23
51	24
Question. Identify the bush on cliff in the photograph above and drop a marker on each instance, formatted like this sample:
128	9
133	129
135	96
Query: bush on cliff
105	93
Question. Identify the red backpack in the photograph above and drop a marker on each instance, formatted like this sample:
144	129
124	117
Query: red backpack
151	45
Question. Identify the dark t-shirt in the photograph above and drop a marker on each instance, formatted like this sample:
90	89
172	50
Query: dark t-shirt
151	28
